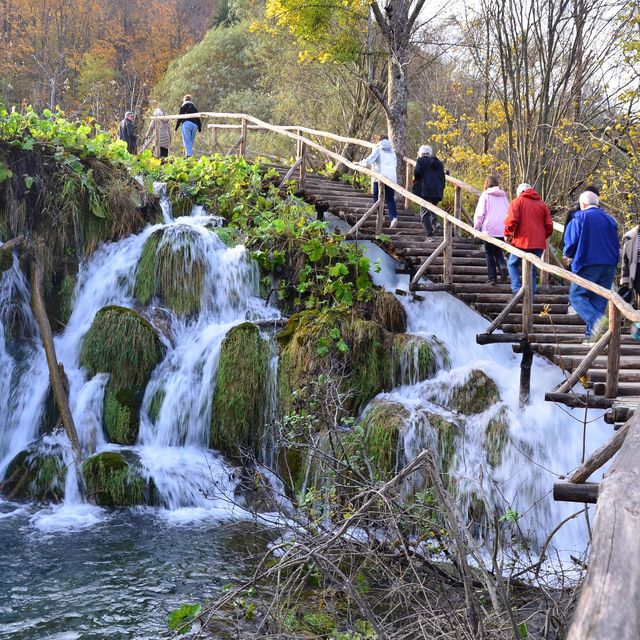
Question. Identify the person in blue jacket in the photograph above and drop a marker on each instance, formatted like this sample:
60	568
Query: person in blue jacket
592	249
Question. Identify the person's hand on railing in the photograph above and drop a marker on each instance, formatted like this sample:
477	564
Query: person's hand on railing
566	261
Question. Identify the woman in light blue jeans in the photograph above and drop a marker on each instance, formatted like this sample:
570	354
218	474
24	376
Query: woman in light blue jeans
188	136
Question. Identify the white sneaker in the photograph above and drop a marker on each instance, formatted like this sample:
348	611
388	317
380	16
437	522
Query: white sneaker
599	328
393	224
571	311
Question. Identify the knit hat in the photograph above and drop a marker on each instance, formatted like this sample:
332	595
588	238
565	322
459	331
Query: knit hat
425	150
523	187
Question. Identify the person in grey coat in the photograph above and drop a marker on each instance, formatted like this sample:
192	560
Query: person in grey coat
127	132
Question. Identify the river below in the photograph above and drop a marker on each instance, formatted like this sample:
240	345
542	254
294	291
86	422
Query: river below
117	578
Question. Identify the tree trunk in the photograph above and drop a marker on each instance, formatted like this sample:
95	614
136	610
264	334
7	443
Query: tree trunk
609	606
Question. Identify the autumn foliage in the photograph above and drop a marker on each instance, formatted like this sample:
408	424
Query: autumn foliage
93	57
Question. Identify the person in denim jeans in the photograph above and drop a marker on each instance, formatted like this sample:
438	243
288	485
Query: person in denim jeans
189	125
527	226
592	249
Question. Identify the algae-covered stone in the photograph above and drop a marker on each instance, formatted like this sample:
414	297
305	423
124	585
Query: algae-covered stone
122	343
388	312
475	394
114	479
231	237
496	437
172	268
37	473
241	387
415	359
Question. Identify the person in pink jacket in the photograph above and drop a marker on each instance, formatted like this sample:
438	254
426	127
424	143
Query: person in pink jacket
489	217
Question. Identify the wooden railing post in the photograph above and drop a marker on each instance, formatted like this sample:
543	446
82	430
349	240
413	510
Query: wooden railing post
613	353
380	215
544	275
447	262
457	204
408	181
214	139
243	139
527	301
303	164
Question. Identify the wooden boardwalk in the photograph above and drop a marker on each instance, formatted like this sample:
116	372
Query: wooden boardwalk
555	334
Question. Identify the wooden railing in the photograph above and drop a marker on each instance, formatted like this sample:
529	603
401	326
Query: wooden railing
302	136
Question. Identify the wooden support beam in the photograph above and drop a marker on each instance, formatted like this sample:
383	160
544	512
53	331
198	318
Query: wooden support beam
289	173
613	352
609	604
447	267
505	312
525	374
243	138
380	216
235	146
364	218
500	338
583	367
527	299
579	400
586	492
618	414
428	262
544	275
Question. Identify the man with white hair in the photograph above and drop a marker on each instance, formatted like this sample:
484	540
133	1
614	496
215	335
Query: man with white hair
592	249
428	183
527	226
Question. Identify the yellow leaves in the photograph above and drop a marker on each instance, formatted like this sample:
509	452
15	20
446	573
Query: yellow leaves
546	310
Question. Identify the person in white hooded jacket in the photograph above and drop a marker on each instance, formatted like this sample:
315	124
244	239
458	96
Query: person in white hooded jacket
383	160
489	217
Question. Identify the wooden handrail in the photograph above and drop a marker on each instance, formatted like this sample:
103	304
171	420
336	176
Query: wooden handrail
625	309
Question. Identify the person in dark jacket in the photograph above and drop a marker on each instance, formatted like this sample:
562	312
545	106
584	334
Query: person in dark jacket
127	131
527	226
592	249
189	125
428	183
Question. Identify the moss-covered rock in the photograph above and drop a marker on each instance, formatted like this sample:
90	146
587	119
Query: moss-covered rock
172	269
388	312
113	479
324	350
231	237
37	473
67	289
415	359
240	398
122	343
496	437
475	394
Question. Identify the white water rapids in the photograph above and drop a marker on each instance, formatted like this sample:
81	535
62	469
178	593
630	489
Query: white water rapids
544	440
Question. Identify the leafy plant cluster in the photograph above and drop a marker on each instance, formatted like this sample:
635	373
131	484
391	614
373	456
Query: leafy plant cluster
307	265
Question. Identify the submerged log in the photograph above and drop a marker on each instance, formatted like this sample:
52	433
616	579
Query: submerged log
609	606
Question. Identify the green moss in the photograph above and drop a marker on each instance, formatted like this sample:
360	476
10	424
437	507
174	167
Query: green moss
240	398
446	437
382	425
388	312
35	474
319	623
67	289
121	342
156	404
496	437
113	479
145	286
172	270
475	395
121	415
414	359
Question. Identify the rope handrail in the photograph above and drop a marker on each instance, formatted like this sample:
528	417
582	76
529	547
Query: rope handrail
625	308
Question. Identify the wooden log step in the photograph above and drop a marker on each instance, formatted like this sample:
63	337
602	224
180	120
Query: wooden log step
623	389
571	362
584	492
499	338
430	286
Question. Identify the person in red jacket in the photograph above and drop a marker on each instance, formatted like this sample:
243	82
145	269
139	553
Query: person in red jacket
527	226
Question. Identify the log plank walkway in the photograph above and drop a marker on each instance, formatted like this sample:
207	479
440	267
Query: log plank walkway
555	334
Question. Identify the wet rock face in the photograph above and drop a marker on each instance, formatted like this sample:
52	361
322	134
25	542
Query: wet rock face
114	479
240	399
388	312
122	343
37	473
415	359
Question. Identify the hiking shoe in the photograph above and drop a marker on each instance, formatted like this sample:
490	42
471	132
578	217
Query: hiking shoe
393	224
491	281
571	311
429	239
504	274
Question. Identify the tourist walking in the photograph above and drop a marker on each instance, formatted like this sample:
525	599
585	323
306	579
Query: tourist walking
630	276
592	249
527	226
383	160
428	183
159	133
127	132
189	125
491	210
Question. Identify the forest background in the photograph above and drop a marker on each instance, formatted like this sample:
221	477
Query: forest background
536	90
